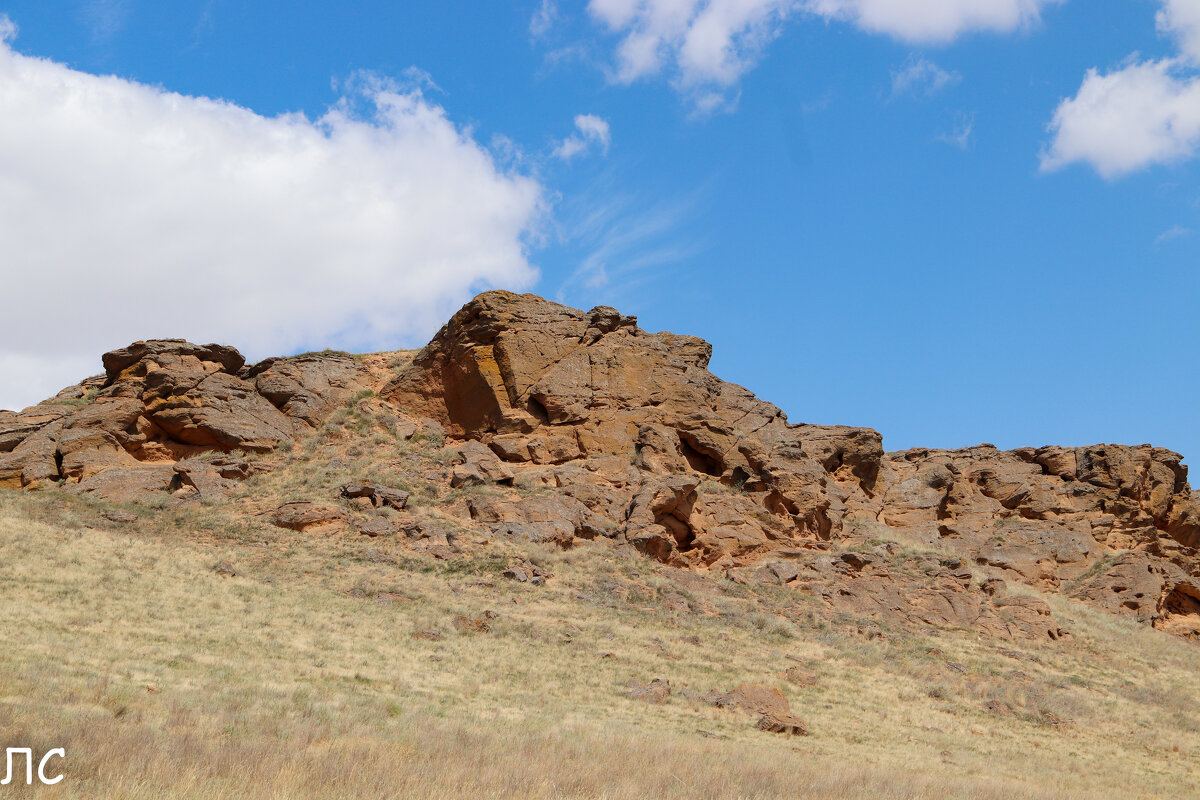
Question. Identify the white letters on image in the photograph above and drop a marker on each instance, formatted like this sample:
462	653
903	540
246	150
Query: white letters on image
41	771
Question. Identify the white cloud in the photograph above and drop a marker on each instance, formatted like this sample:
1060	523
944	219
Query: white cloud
105	18
960	135
590	130
922	77
624	242
706	46
1181	19
704	43
543	19
130	212
1144	113
932	20
1172	233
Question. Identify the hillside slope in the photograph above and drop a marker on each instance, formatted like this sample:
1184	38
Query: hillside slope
579	425
552	555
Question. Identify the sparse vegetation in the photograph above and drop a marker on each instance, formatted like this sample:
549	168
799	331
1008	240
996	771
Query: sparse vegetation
299	676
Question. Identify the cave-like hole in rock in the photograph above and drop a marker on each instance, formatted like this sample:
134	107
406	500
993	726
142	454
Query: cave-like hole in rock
1183	602
535	407
698	460
739	478
685	537
780	505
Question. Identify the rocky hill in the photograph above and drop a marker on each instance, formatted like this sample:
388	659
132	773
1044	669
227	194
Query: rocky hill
542	423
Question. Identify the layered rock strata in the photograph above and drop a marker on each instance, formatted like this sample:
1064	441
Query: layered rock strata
569	425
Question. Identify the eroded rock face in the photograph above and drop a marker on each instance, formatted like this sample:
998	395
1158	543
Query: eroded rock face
543	384
562	425
303	515
722	481
163	401
309	387
1114	525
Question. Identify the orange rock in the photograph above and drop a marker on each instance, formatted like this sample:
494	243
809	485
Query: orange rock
753	699
783	723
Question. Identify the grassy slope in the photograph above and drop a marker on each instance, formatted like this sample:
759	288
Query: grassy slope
300	677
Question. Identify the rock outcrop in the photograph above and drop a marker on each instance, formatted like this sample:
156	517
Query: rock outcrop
160	402
561	425
543	384
1113	525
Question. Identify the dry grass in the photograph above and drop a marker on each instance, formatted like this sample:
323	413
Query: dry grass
300	677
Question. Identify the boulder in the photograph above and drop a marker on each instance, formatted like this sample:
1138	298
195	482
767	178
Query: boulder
310	387
376	494
128	484
303	515
545	518
787	724
752	699
206	478
658	691
377	526
478	465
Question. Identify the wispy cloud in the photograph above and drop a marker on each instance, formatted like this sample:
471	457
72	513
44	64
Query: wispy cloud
705	47
624	242
936	21
543	19
590	130
921	77
205	23
105	18
1171	233
960	135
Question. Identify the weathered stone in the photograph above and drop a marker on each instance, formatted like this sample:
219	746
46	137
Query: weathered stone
124	485
310	387
219	411
17	427
138	355
479	465
542	382
539	519
752	699
800	676
471	624
303	515
788	724
573	424
658	691
526	572
1050	515
206	479
377	526
376	494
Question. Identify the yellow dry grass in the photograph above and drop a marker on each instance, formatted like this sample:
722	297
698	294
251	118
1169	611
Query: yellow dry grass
299	677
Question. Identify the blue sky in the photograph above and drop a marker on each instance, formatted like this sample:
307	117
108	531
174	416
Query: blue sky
951	221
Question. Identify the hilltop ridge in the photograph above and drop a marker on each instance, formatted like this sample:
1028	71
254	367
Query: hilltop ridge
558	425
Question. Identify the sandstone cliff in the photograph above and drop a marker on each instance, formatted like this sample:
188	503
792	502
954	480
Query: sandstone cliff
566	425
